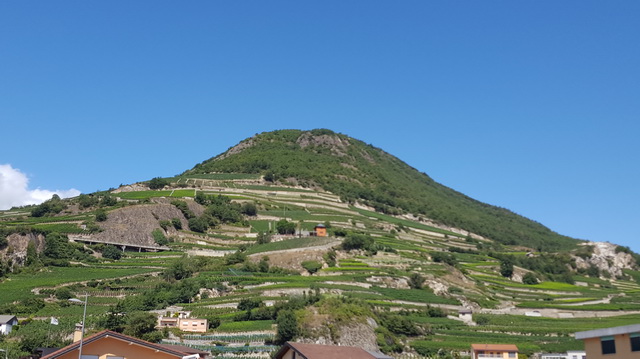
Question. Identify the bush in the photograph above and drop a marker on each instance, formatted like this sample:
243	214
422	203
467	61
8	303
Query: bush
198	224
63	293
530	279
249	303
159	237
481	319
416	281
176	222
158	183
287	326
311	266
111	252
506	268
285	227
249	209
330	258
447	258
165	224
263	238
101	215
49	207
357	241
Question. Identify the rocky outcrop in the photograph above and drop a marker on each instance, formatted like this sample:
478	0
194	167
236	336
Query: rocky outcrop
16	249
607	259
337	145
352	334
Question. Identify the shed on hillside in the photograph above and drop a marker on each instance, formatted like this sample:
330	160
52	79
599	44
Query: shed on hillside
321	230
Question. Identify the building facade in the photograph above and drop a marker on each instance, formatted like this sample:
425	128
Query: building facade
185	324
6	323
612	343
112	345
494	351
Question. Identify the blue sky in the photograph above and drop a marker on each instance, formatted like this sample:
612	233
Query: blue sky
529	105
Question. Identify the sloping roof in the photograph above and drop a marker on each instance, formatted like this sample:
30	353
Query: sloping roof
496	347
378	355
185	349
317	351
4	319
109	334
634	328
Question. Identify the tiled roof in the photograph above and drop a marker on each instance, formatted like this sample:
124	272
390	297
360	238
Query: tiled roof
317	351
185	349
107	334
496	347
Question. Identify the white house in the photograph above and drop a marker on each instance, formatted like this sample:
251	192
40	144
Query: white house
6	323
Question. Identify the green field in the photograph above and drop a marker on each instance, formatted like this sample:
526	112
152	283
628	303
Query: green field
19	286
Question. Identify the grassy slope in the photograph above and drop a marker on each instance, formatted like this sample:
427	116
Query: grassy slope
362	172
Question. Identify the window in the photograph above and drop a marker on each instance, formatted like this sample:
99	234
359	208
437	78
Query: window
635	342
512	354
608	345
90	357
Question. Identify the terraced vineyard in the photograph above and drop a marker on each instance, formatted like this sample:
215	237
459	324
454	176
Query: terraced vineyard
537	317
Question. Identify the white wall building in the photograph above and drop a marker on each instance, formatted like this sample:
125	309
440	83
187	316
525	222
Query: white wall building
6	323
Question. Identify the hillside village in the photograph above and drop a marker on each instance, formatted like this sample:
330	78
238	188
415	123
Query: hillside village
251	265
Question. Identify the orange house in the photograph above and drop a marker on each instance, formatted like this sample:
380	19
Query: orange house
112	345
321	230
494	351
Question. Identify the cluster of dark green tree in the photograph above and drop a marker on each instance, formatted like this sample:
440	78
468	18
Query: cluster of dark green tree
102	199
49	207
219	210
158	183
58	251
555	267
360	172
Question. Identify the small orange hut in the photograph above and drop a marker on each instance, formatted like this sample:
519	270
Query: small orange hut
321	230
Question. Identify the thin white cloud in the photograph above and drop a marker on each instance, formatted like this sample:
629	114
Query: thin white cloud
14	189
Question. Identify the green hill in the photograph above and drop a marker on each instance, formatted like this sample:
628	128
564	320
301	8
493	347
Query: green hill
360	172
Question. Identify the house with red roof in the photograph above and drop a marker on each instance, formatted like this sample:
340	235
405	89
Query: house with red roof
108	344
292	350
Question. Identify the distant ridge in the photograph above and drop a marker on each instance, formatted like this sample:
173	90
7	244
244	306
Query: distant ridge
360	172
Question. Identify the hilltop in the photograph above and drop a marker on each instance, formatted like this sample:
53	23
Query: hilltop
362	173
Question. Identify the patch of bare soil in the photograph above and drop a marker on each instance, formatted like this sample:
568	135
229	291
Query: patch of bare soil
293	258
133	225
